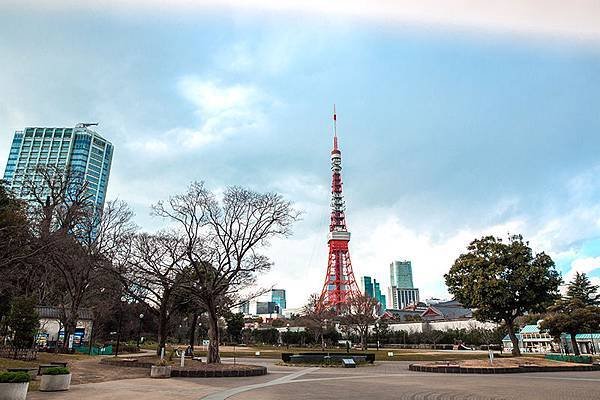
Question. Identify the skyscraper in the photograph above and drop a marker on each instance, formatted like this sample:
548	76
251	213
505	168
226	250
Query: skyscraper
372	288
367	286
87	154
401	274
278	296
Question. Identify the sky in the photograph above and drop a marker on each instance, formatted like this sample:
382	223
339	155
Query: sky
455	120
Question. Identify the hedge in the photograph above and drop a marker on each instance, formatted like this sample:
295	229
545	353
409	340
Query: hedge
57	371
14	377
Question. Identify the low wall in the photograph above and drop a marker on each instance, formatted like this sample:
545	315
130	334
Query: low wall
208	371
455	369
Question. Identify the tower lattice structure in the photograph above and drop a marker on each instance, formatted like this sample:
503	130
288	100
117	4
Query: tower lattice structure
340	284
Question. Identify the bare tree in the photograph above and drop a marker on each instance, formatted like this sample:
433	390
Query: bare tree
315	318
361	312
222	243
78	239
151	270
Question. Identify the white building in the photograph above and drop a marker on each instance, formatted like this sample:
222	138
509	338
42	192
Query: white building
51	331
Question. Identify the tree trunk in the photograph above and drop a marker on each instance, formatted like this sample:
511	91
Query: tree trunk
213	356
162	329
68	331
516	350
193	330
574	343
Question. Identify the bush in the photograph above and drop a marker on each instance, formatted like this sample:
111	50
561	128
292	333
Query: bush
57	371
14	377
23	320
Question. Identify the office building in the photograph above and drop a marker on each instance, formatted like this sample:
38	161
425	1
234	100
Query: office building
366	285
80	149
400	298
278	297
370	287
401	274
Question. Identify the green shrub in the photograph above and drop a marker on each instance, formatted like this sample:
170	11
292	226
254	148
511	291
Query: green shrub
14	377
57	371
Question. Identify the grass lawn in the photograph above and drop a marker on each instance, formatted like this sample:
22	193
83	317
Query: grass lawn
42	358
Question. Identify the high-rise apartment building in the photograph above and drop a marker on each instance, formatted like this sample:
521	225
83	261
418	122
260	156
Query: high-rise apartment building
278	296
401	274
81	150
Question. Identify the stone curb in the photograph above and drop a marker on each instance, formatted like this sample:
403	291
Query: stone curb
455	369
194	373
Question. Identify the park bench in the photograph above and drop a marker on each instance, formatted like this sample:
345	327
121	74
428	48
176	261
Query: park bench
59	363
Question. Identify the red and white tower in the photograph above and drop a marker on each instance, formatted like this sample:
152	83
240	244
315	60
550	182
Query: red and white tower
340	284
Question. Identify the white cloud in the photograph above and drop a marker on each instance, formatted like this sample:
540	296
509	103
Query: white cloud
223	110
582	265
577	19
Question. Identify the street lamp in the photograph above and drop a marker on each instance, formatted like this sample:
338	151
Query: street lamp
287	339
139	335
323	334
377	333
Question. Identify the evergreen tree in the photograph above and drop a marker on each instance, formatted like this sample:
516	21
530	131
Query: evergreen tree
23	321
575	313
581	288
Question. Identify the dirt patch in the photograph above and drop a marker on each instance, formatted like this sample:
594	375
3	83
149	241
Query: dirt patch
92	371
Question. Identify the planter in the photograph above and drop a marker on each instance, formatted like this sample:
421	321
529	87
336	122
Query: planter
55	383
13	391
160	371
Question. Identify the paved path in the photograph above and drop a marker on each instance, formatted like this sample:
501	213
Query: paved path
386	380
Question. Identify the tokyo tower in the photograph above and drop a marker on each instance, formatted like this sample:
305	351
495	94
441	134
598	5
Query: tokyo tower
340	284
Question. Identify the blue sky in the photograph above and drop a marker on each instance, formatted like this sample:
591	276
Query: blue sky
448	130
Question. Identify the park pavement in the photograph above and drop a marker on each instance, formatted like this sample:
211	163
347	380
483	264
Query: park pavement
386	380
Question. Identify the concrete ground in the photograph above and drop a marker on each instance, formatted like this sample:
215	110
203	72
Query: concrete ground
386	380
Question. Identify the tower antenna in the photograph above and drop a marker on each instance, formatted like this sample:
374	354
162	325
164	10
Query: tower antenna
335	143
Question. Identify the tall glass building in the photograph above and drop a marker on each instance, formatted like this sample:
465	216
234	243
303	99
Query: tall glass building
278	296
87	154
372	288
401	274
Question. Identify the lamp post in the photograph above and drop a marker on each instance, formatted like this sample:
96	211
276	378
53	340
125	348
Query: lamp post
377	333
139	335
323	334
119	330
287	339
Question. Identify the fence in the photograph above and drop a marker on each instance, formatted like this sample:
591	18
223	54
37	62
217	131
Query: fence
569	358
